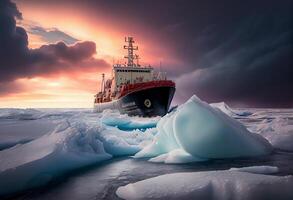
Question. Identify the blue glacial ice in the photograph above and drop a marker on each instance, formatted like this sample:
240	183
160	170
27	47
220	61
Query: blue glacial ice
124	122
205	133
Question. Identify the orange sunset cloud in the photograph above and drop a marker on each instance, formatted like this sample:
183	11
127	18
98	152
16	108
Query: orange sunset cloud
73	86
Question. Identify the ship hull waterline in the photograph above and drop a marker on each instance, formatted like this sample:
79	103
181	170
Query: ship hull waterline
147	102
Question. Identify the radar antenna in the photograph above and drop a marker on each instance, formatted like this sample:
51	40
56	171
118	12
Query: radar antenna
130	49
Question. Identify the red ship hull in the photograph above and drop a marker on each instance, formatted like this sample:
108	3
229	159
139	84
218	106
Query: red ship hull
143	99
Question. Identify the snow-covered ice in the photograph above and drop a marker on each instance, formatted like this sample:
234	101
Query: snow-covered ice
14	132
220	185
229	111
175	157
18	126
205	133
38	145
37	162
279	131
258	169
78	140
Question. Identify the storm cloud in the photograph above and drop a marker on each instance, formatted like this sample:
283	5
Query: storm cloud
235	51
52	35
18	61
249	65
240	52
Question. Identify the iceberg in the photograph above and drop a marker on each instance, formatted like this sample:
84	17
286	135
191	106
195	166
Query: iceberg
205	133
211	185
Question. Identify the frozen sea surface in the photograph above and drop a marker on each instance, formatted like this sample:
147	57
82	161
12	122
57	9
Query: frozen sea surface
96	150
241	184
102	181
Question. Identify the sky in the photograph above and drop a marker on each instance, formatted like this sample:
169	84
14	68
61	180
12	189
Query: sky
52	53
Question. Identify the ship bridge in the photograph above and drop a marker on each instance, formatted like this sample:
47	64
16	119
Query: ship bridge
132	72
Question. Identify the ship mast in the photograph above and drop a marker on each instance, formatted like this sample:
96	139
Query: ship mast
103	83
130	49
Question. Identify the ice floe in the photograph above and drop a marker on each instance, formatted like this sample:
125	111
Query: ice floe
212	185
34	114
229	111
79	140
20	114
13	132
258	169
278	131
